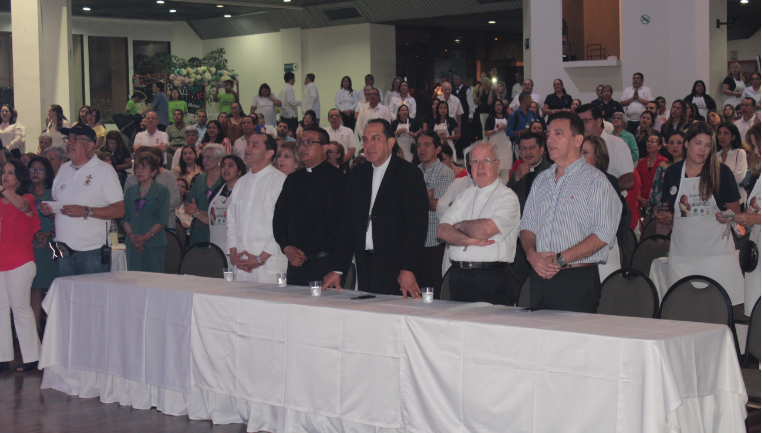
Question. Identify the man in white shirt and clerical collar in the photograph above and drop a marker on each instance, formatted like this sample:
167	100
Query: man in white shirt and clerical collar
253	250
481	228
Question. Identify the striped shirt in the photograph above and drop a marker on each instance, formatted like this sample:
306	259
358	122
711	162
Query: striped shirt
438	177
562	214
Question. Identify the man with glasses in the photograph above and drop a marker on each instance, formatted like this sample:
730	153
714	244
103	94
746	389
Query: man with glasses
304	221
374	110
481	228
92	196
570	221
341	134
620	156
748	117
384	220
152	136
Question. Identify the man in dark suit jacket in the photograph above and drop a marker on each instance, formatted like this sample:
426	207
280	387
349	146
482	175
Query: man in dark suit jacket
385	219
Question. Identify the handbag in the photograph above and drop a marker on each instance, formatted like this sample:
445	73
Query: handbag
748	256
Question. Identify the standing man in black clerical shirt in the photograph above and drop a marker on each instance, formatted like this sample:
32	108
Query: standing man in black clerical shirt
305	221
385	219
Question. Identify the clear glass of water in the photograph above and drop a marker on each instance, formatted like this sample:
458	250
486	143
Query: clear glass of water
315	288
228	274
427	293
282	281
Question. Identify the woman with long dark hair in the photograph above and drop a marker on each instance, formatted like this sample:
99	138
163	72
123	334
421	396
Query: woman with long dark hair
56	121
215	133
406	130
93	121
189	167
122	157
346	101
18	224
698	96
231	169
655	209
677	118
558	100
309	119
647	121
11	131
41	174
445	126
732	154
265	103
82	116
696	190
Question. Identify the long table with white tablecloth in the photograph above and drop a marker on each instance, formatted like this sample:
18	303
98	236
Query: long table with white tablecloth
283	361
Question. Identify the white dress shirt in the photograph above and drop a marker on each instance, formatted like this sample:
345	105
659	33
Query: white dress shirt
13	136
620	157
396	102
745	125
456	108
156	139
311	100
514	105
389	96
345	100
239	146
369	113
496	202
469	98
516	89
362	103
378	176
633	111
343	135
737	163
266	107
250	221
288	98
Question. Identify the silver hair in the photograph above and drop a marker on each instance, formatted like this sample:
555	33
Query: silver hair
45	135
219	152
59	151
485	143
191	128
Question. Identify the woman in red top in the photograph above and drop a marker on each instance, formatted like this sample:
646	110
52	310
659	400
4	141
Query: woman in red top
646	168
18	224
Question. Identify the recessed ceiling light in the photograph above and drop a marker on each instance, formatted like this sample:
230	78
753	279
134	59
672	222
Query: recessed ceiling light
495	38
286	1
744	1
85	8
228	16
172	11
220	6
457	40
490	22
161	2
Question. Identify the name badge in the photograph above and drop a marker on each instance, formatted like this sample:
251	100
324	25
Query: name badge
673	190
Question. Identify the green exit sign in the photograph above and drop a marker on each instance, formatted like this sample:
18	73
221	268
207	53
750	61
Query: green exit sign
290	67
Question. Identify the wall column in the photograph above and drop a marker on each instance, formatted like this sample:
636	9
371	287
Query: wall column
26	25
57	56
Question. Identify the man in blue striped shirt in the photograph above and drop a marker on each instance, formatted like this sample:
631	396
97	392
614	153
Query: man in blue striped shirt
571	214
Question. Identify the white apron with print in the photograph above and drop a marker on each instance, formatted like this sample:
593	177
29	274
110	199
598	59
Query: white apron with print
735	100
218	223
752	280
503	144
442	127
697	246
405	141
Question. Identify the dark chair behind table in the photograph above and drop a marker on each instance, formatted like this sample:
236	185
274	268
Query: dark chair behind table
628	292
648	250
697	298
204	259
445	295
647	219
351	278
181	234
629	249
649	228
751	376
623	259
524	294
174	255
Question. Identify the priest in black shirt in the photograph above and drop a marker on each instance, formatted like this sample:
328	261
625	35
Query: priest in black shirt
306	217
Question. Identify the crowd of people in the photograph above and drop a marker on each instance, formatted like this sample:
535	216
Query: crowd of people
549	189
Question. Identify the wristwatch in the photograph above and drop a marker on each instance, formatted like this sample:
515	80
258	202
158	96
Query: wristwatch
560	260
88	212
259	260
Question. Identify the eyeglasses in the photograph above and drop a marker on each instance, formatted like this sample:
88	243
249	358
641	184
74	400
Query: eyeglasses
746	105
476	162
333	115
307	143
36	170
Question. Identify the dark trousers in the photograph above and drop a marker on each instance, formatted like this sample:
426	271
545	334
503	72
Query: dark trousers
482	285
292	123
311	270
520	268
431	268
349	121
632	127
575	289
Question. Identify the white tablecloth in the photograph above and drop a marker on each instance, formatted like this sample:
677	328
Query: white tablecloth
283	361
118	260
660	275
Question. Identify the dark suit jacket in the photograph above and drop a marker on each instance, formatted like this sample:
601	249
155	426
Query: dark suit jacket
400	221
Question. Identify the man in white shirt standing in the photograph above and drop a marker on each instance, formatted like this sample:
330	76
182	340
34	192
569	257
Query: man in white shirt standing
518	86
311	98
253	250
529	88
374	110
370	80
485	222
362	103
748	117
92	196
152	136
620	158
634	100
456	108
289	101
341	134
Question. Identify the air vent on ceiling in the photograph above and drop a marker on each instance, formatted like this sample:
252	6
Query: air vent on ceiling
341	14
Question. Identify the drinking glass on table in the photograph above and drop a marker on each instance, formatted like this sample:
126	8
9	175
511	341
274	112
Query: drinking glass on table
282	281
315	288
427	293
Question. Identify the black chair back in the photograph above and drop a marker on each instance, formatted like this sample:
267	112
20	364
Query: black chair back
204	259
752	338
628	292
648	250
622	256
685	301
629	248
649	228
180	232
349	283
174	255
647	219
445	294
524	294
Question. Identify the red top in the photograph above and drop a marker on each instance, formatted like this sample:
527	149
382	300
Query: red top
516	165
632	201
463	173
646	175
17	235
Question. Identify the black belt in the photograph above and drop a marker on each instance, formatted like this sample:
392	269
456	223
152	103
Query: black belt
318	256
480	265
369	253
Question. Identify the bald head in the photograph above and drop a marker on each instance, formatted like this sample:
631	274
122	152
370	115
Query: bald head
446	89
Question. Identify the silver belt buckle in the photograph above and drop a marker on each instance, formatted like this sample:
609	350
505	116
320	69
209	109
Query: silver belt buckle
469	265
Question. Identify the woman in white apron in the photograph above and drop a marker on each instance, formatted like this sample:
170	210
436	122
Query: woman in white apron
699	97
494	130
699	245
406	130
733	85
231	169
446	126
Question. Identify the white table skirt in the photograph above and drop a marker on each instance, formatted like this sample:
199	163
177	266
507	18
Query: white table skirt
283	361
118	260
660	276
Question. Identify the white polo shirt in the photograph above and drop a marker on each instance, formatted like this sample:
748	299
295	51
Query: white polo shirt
146	139
620	157
95	184
343	135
